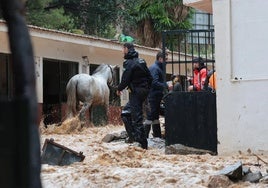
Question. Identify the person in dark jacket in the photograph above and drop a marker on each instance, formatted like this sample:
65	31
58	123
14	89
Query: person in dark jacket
137	78
155	96
175	83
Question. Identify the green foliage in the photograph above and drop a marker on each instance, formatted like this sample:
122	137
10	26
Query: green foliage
165	15
52	19
35	5
108	32
102	17
151	17
77	31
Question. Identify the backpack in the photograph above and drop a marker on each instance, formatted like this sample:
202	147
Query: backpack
143	65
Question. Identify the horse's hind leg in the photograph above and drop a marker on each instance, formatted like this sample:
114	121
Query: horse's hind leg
70	112
82	113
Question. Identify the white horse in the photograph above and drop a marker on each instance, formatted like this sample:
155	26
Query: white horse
91	90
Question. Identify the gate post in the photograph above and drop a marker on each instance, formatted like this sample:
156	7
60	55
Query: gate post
21	153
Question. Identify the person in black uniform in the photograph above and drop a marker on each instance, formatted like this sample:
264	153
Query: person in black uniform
155	96
137	78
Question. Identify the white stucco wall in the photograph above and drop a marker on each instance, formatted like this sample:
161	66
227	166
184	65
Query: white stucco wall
242	69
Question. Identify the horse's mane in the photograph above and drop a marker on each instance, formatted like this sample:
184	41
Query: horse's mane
99	68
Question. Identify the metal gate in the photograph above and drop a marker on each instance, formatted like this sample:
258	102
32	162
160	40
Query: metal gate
190	117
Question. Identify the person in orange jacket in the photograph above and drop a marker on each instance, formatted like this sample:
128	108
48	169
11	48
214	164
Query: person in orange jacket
199	75
212	81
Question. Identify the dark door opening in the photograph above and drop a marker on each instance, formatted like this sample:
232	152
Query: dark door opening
6	77
56	74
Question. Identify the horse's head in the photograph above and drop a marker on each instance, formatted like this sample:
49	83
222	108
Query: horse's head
112	76
106	71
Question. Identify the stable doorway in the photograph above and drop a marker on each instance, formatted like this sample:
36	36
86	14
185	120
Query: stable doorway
55	77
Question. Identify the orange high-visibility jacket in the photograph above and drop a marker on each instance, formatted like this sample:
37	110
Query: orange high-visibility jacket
199	78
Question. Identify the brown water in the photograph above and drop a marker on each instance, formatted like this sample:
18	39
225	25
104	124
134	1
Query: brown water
118	164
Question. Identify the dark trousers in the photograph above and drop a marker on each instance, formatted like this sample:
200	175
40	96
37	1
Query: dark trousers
153	109
153	112
132	114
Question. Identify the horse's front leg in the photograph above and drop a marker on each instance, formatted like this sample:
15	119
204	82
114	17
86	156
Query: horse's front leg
106	108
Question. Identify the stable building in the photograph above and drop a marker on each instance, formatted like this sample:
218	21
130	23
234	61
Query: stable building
58	56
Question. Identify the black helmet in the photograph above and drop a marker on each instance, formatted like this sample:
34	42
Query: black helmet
199	60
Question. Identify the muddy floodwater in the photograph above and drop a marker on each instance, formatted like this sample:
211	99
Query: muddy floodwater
118	164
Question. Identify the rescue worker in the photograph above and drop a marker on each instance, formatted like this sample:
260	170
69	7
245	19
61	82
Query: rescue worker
155	96
212	81
200	75
137	78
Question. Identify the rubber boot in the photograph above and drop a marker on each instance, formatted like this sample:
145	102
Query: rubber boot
129	128
147	128
156	130
144	144
139	136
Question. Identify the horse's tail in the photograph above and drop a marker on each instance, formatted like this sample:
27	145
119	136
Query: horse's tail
71	90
